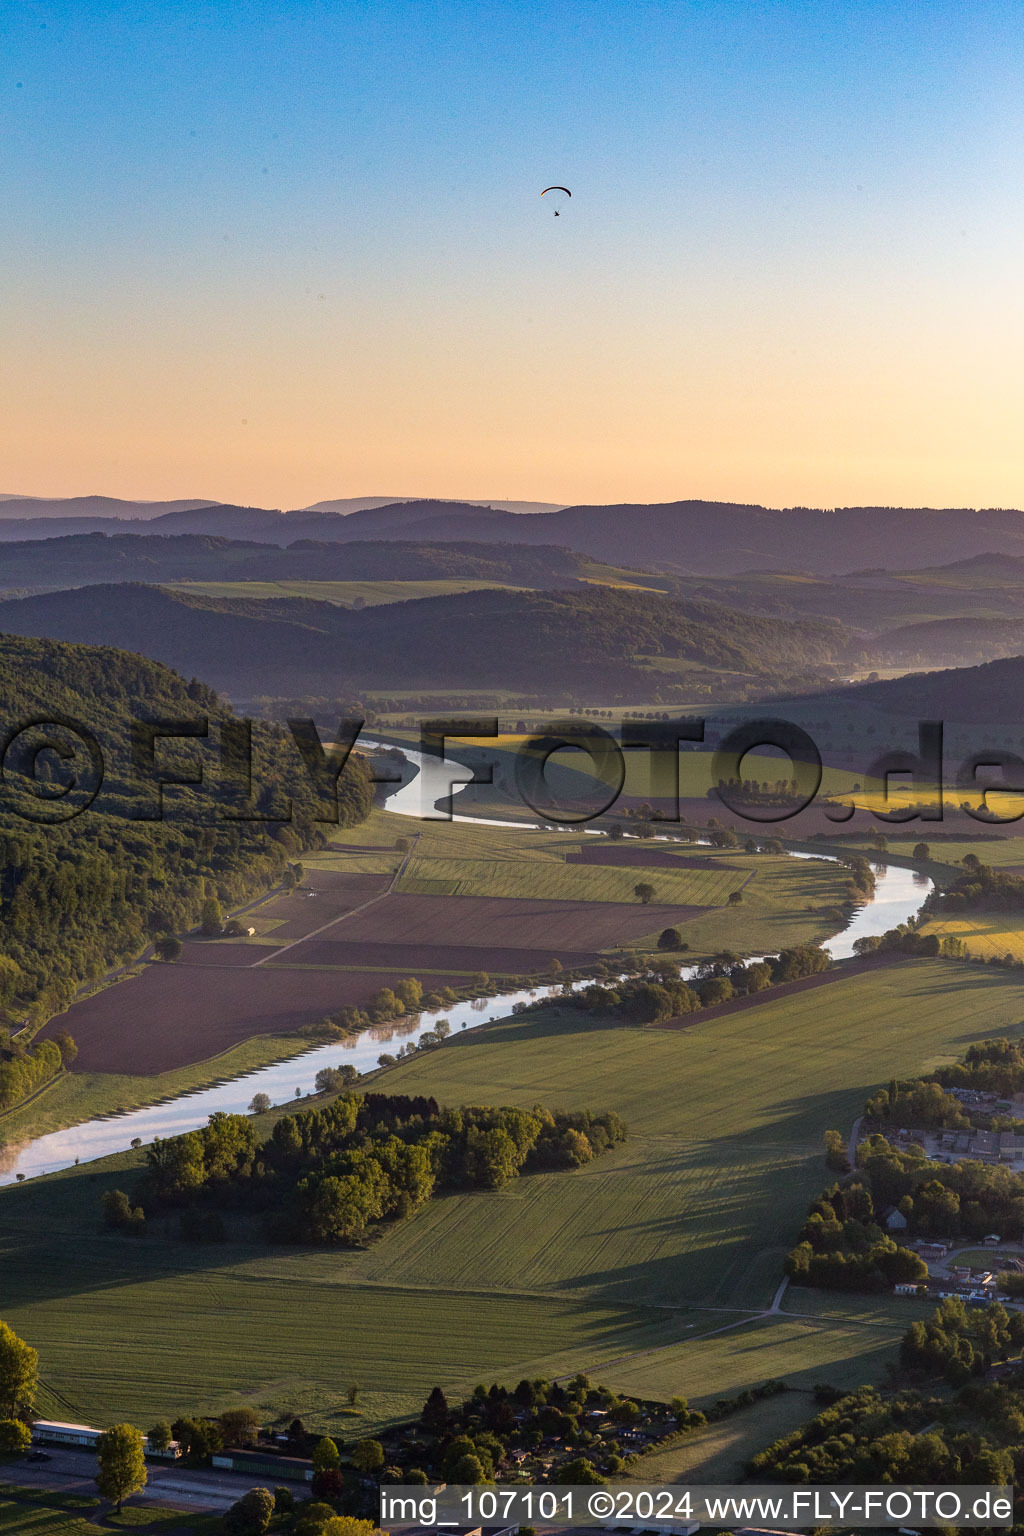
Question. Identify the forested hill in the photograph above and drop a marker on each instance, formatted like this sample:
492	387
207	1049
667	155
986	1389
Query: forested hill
79	895
993	693
88	558
687	536
539	642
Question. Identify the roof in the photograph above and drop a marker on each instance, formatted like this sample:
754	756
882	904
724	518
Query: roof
86	1429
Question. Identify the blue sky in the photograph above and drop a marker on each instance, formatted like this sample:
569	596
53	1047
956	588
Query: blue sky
323	220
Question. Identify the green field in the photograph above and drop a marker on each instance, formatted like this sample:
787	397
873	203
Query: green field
551	881
624	1268
987	935
51	1512
785	901
719	1454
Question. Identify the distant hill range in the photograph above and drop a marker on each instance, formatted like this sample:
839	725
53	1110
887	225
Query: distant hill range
87	558
346	504
991	693
598	640
92	506
682	537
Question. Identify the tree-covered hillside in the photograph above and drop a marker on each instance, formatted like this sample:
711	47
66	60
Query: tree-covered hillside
553	643
79	895
88	558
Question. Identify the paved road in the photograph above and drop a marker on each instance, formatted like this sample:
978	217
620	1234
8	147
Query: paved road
184	1487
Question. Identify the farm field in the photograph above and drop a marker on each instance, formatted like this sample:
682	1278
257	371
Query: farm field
494	924
277	1329
625	1268
311	955
173	1015
845	1354
346	594
989	935
719	1454
679	886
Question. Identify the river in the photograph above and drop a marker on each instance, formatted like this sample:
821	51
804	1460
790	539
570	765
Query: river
898	895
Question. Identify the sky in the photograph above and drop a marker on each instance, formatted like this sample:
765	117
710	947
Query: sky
271	253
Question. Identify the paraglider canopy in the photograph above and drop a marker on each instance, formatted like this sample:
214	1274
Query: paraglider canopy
560	194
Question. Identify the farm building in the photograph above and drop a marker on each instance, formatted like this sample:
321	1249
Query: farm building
895	1220
932	1250
54	1432
83	1436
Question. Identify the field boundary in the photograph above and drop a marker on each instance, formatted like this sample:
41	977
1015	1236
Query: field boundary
838	972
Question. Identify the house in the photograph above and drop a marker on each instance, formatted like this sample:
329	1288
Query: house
908	1288
932	1250
993	1240
895	1220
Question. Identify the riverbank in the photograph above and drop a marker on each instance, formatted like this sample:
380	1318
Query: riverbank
71	1123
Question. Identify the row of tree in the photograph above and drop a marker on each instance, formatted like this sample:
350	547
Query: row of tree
660	993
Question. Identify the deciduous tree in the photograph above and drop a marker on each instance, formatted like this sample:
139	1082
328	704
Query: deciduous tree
122	1464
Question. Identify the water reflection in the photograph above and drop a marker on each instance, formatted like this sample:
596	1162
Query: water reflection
898	895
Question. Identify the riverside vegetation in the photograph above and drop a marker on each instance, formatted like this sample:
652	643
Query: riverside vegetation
327	1175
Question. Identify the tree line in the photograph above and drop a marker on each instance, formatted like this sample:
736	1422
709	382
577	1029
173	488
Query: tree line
660	993
325	1175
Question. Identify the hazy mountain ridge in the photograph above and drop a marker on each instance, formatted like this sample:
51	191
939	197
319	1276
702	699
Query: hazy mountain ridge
686	537
93	506
539	642
75	560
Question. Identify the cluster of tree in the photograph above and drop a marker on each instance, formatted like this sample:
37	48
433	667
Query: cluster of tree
958	1342
920	1102
843	1247
25	1069
904	1437
406	997
944	1200
988	1066
932	1102
660	993
82	894
19	1375
843	1244
979	888
756	791
119	1215
904	940
325	1175
587	1430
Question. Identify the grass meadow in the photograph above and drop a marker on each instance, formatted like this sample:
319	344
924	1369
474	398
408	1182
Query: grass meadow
626	1268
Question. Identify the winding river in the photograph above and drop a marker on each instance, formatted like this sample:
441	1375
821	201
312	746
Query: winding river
898	895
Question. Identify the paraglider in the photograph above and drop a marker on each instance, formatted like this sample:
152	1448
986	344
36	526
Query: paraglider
565	190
